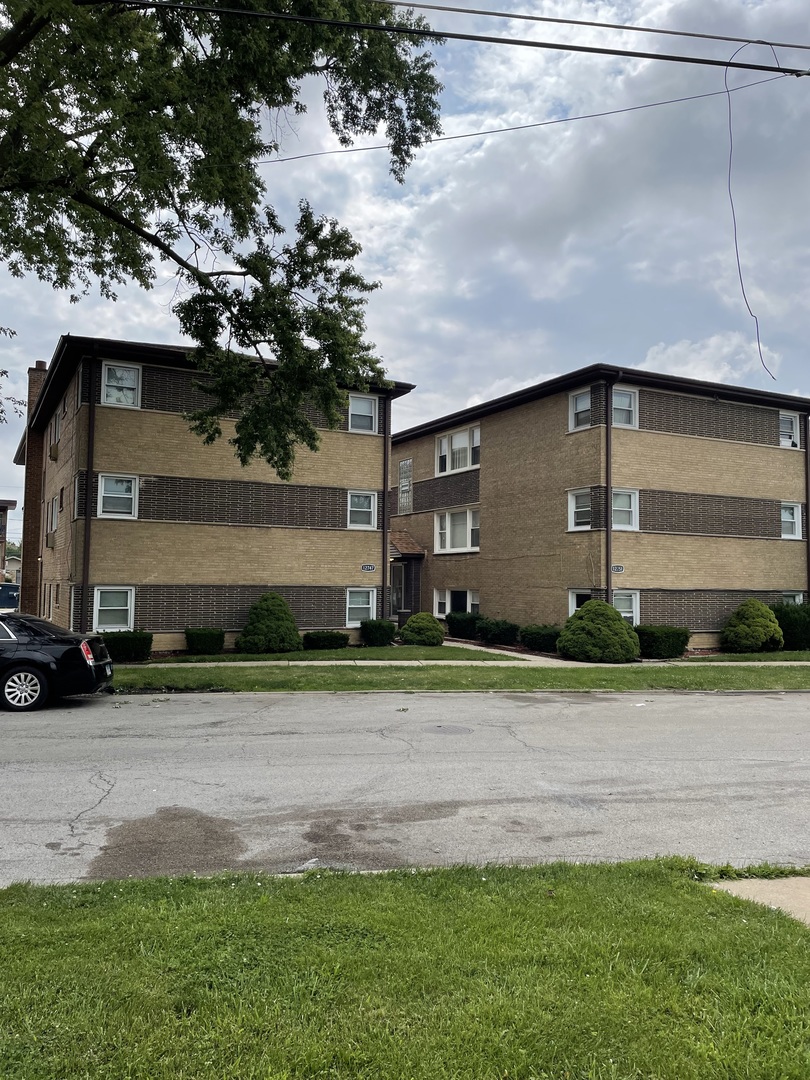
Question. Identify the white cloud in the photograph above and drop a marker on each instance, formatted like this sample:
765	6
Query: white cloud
723	358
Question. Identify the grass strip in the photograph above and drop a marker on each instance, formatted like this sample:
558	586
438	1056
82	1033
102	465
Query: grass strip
751	658
399	652
301	677
600	972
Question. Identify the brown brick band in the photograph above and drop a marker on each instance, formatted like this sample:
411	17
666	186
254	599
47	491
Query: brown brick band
709	515
697	609
175	607
236	502
455	489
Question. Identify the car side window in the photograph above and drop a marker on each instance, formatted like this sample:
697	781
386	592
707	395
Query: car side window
5	633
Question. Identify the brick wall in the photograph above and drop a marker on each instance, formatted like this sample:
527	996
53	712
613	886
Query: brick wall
698	609
453	489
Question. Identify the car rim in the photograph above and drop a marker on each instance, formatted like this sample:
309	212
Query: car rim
22	688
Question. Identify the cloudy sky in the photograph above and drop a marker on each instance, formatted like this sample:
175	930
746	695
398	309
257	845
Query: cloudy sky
509	258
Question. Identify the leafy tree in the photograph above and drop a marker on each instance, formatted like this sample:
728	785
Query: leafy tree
15	403
130	135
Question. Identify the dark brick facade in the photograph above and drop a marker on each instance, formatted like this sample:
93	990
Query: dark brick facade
598	410
697	609
710	418
710	515
174	390
235	502
175	607
453	489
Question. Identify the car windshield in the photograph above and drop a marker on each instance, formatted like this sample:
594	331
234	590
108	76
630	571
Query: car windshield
10	597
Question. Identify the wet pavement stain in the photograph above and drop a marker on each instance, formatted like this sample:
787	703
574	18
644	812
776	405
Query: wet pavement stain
173	840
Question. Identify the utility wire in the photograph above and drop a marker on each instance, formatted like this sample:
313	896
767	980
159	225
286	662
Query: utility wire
582	22
734	217
526	127
421	32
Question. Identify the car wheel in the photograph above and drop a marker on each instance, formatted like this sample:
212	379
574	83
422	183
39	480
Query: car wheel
24	688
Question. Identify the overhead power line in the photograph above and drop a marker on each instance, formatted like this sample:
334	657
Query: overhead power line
597	25
526	127
416	32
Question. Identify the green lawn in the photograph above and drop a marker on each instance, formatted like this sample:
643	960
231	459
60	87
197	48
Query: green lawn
398	652
602	972
753	657
451	677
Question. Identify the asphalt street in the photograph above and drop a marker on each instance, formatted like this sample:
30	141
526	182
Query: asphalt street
131	786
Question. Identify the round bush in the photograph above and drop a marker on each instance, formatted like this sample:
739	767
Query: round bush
752	628
597	633
422	629
270	627
377	631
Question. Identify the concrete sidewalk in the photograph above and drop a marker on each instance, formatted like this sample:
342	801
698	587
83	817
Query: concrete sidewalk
789	894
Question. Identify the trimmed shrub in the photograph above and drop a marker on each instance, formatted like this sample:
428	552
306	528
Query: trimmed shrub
462	624
662	642
598	634
205	640
498	631
752	628
422	629
270	627
325	639
377	631
540	638
128	646
794	622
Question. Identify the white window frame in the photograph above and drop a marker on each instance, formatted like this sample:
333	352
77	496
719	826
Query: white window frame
795	442
572	599
797	521
633	493
52	515
98	590
473	433
793	598
353	525
374	414
101	512
405	487
634	406
634	596
137	368
572	506
572	409
56	426
447	550
442	596
372	605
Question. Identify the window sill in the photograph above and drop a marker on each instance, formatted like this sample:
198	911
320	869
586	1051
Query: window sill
458	551
362	528
455	472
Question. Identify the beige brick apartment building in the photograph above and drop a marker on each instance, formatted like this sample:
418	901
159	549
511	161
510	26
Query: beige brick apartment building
131	522
676	503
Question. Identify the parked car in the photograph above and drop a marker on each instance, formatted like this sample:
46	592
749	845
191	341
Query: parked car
9	598
39	660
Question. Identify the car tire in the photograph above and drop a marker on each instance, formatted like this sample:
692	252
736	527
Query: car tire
23	688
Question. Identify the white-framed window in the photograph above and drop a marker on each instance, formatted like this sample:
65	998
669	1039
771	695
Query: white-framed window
626	603
791	521
458	530
789	429
625	508
579	509
405	490
121	385
579	410
625	407
113	607
445	600
363	413
56	427
117	496
458	450
792	598
576	598
362	510
360	604
52	514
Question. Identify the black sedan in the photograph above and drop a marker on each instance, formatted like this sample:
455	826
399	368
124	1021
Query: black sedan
39	660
